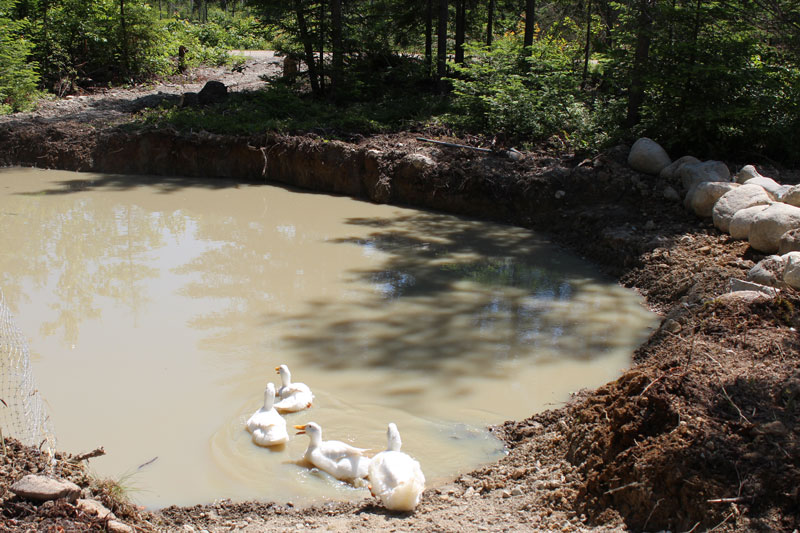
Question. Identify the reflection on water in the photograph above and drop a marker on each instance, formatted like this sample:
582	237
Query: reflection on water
157	310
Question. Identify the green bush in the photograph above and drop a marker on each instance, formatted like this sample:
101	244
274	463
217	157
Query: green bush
525	96
18	75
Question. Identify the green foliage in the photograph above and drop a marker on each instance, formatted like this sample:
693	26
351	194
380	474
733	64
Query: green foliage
282	110
526	96
18	75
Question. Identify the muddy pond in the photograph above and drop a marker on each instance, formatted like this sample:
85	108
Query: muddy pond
157	309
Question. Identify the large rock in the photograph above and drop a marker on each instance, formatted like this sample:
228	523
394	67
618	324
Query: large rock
770	224
739	227
693	173
42	488
769	185
791	272
790	195
736	200
212	92
702	197
747	172
768	271
671	171
648	156
790	242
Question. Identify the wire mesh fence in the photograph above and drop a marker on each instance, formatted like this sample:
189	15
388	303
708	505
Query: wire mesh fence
23	414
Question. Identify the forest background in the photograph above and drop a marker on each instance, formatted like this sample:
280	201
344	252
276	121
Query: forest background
714	78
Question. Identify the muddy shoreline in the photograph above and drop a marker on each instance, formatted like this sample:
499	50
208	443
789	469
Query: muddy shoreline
700	433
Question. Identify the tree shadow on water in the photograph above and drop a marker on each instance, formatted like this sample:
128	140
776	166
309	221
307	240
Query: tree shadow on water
455	297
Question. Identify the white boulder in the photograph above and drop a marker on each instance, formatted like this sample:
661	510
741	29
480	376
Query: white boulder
736	200
747	172
769	184
671	171
701	198
648	156
770	224
739	226
693	173
790	195
791	272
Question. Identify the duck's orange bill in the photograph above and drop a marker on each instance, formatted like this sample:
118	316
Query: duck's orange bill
302	430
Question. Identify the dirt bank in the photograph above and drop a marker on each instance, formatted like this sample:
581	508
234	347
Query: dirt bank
701	433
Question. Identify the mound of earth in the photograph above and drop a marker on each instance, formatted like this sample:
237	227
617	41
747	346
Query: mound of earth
700	434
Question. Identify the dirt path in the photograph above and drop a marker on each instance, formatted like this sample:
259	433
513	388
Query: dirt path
107	107
701	434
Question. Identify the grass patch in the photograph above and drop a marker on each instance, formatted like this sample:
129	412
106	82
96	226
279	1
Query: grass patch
280	109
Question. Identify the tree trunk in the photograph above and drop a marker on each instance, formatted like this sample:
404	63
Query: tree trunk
530	22
441	41
586	51
640	59
322	47
308	46
429	35
490	24
461	24
124	38
336	44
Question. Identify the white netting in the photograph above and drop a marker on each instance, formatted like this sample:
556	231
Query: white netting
22	412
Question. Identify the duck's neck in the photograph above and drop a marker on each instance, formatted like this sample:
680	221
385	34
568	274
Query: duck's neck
269	399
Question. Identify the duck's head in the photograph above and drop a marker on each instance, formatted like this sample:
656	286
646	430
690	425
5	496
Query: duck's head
393	438
286	376
312	429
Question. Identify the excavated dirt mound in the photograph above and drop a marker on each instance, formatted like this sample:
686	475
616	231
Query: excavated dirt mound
700	434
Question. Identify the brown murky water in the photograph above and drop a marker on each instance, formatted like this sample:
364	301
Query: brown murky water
156	311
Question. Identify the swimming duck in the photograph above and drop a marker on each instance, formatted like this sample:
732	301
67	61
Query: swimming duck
338	459
293	396
394	477
266	425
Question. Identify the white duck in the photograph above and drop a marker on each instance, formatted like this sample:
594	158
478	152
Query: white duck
337	458
266	425
395	478
293	396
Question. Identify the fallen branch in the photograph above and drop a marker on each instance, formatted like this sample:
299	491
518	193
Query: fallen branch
729	500
623	487
84	456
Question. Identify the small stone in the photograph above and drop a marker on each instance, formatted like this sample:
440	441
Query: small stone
516	491
560	194
42	488
672	326
790	242
768	271
742	285
95	508
115	526
189	528
671	194
470	492
420	162
505	493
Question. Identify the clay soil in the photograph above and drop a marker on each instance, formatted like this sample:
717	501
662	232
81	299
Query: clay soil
700	434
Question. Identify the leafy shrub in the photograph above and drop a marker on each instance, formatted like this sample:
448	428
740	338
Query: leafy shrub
502	90
18	76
